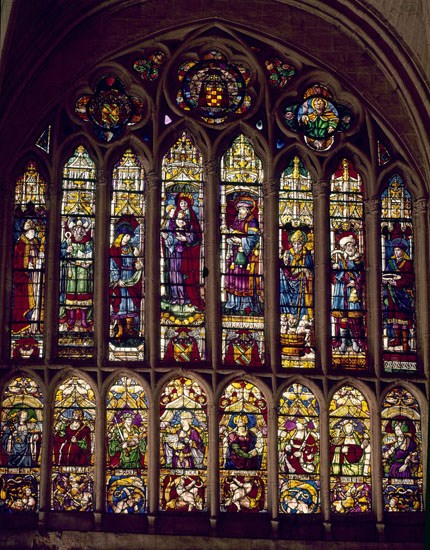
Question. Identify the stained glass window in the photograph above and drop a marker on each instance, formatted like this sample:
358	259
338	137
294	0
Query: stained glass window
350	456
76	336
243	448
242	256
348	286
402	452
126	447
398	279
182	253
183	447
73	447
20	445
298	451
214	89
126	283
29	243
296	285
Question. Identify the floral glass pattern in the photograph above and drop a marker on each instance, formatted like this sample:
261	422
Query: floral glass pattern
149	67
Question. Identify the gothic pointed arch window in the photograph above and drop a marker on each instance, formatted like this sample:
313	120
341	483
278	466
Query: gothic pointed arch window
348	283
126	447
29	244
76	314
242	256
296	274
299	451
183	447
72	487
398	277
126	260
228	236
401	452
243	448
350	452
182	251
21	422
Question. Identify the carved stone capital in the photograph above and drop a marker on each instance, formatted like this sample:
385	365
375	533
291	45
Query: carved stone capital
320	188
270	187
420	207
210	167
371	206
152	181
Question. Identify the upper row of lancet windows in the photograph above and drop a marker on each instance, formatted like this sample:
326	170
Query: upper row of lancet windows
241	256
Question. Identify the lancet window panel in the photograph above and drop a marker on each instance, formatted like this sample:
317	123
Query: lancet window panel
22	437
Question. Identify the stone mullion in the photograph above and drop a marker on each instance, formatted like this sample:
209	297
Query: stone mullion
211	262
373	285
322	274
152	334
101	266
152	269
421	263
213	468
271	275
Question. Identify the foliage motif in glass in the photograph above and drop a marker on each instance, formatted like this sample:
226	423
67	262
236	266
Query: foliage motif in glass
182	253
110	109
73	446
243	448
242	256
402	452
280	73
348	286
21	417
29	240
214	89
126	281
149	67
398	278
350	456
298	451
126	447
76	336
296	273
318	118
183	447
